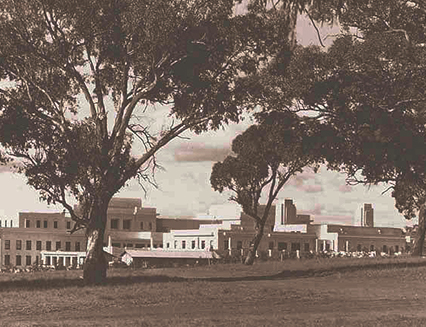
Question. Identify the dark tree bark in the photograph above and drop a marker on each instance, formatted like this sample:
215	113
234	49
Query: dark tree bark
254	244
95	265
420	237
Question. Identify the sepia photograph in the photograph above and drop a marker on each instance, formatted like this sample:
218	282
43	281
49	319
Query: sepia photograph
213	163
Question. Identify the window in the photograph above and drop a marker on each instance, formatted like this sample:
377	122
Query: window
129	245
45	224
7	244
371	247
28	260
7	260
77	246
58	245
306	247
18	260
203	244
193	244
38	223
396	248
27	223
141	225
239	245
175	245
271	246
183	244
282	246
38	245
67	246
48	245
47	261
359	247
114	223
55	224
18	244
150	226
226	244
168	245
139	245
295	246
28	245
126	224
116	245
68	225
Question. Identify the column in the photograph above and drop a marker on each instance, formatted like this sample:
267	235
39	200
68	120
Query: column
109	244
229	246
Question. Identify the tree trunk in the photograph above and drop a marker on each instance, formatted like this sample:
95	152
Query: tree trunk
420	237
254	245
95	265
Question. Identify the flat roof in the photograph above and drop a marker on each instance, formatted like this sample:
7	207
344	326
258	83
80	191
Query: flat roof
169	254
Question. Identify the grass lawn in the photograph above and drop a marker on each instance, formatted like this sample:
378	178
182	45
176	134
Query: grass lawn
336	292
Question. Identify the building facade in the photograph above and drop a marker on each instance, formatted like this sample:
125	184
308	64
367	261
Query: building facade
44	238
21	246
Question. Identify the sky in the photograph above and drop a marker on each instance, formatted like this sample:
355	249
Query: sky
184	184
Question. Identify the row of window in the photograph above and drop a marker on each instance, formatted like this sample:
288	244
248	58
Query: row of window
282	246
38	244
384	248
45	224
127	224
18	260
48	261
190	245
136	246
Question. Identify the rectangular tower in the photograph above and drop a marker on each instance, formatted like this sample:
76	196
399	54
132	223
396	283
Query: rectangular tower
368	216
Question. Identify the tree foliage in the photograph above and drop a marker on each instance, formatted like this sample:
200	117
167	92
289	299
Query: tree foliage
265	157
78	78
367	90
122	56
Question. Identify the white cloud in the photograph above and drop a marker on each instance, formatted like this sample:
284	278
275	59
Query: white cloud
345	188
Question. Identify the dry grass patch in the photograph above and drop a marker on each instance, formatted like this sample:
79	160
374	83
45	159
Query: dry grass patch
224	295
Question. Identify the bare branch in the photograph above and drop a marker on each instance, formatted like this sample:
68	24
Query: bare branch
315	26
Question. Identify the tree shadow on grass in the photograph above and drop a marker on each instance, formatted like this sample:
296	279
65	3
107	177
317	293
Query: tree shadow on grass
56	283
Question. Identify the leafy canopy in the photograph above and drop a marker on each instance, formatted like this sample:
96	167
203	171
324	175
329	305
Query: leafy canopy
266	155
367	90
78	78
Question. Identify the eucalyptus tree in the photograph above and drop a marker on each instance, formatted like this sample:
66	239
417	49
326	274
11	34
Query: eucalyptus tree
79	77
368	87
266	156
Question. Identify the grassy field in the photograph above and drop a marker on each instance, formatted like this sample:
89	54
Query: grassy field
337	292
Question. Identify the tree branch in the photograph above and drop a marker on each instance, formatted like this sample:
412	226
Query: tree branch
315	26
